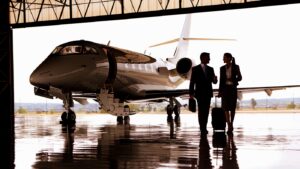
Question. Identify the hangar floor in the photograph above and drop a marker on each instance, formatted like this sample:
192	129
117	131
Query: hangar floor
260	140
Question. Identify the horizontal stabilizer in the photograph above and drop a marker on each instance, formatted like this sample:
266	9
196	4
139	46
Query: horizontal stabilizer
187	39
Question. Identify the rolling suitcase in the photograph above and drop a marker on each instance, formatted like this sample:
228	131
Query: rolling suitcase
218	119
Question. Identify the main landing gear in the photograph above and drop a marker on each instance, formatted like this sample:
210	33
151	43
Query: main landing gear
124	119
171	108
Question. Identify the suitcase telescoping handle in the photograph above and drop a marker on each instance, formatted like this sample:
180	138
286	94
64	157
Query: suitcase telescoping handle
216	101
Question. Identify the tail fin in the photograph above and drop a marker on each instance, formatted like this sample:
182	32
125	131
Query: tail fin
181	50
183	45
183	42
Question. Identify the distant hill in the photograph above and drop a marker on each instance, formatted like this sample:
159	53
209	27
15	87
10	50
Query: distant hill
271	103
56	107
94	107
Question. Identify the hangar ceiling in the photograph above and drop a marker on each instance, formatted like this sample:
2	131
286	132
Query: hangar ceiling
26	13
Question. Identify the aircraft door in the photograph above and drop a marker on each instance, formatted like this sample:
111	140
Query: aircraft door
112	72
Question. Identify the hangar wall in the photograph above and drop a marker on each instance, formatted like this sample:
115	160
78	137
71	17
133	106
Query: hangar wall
6	89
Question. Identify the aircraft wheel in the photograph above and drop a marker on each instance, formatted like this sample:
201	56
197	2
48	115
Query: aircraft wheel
63	117
120	120
169	110
176	111
71	117
169	118
126	119
169	113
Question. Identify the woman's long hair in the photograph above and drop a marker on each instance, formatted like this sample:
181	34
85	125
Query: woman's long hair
233	61
231	57
234	67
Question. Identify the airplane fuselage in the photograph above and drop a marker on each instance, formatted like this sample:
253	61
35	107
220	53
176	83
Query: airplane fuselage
128	73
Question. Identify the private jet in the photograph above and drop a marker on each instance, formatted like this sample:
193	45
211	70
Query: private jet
113	77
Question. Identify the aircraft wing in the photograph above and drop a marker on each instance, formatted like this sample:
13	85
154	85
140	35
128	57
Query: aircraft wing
166	93
185	92
148	94
267	89
163	95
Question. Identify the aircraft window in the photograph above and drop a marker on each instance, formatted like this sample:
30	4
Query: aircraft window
71	50
132	58
89	50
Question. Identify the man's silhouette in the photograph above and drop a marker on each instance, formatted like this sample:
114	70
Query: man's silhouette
201	88
204	160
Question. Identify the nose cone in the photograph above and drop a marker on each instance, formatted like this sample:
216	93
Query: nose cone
34	78
37	77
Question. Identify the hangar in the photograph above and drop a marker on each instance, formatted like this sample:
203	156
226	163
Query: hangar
29	13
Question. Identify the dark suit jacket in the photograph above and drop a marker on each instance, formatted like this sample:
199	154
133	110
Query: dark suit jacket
235	77
201	84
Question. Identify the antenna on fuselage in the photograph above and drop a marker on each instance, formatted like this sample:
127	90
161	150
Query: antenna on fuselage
145	52
108	43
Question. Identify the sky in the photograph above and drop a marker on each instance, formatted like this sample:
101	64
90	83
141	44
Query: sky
266	44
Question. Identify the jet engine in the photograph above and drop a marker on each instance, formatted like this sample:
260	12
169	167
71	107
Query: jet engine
183	67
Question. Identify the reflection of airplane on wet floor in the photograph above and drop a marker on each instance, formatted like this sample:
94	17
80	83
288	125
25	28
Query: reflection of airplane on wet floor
117	146
112	76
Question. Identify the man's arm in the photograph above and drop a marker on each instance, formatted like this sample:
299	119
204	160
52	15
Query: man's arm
215	78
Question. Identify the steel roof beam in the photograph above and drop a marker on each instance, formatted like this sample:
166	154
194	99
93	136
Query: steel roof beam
34	12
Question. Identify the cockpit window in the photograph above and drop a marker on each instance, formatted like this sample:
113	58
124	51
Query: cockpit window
56	50
89	50
74	49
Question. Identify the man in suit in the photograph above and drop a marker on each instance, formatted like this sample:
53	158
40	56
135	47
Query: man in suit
201	88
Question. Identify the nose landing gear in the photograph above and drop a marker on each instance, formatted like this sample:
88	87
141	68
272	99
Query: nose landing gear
68	117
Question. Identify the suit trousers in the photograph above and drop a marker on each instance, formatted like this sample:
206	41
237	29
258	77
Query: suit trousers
203	111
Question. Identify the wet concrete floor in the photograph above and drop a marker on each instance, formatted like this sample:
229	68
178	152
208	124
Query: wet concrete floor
260	141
